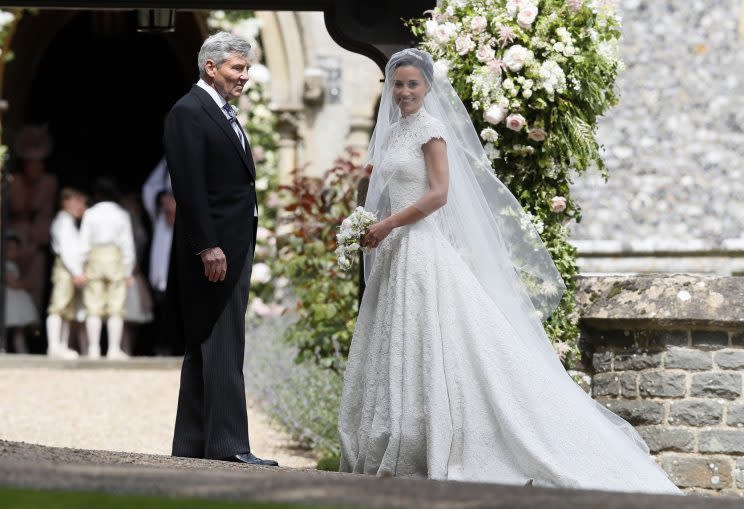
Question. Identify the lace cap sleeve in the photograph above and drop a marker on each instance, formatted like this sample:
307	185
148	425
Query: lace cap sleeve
431	128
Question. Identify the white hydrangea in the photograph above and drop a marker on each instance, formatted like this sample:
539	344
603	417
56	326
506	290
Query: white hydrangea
552	77
5	18
489	134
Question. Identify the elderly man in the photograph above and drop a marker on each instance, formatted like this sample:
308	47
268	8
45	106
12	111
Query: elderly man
213	178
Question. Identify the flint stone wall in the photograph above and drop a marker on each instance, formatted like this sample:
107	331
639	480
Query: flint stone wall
674	143
667	354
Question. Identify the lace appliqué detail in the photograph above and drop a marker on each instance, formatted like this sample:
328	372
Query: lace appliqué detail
403	165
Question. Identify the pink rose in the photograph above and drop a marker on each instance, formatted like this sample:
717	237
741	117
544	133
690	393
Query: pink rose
515	122
478	24
558	204
464	45
495	114
527	16
537	134
485	54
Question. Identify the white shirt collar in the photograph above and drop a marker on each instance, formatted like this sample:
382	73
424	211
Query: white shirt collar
211	91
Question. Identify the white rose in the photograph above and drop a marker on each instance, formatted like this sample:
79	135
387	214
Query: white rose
515	122
527	16
478	24
431	27
441	68
6	17
464	45
526	93
515	57
558	204
260	73
262	233
261	273
445	32
485	54
494	114
537	134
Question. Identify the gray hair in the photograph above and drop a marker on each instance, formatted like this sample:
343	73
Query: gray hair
218	48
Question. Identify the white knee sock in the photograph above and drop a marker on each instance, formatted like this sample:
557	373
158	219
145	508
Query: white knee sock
115	326
54	334
93	328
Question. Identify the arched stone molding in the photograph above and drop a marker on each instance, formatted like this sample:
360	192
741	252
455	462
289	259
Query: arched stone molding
312	131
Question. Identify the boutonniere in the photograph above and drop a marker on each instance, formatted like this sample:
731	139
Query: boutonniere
235	109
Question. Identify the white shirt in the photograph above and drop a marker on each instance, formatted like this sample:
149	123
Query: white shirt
108	223
220	103
66	242
162	233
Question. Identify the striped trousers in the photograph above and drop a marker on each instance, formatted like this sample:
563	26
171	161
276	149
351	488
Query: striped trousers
212	419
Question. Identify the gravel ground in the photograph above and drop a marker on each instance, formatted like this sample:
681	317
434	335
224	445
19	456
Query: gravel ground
114	409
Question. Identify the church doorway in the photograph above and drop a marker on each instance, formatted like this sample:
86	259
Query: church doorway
101	88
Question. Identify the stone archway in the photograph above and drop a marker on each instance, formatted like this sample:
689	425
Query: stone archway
293	43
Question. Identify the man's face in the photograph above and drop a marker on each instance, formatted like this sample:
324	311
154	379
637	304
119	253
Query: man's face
230	77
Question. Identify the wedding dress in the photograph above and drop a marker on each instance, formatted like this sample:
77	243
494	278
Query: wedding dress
443	381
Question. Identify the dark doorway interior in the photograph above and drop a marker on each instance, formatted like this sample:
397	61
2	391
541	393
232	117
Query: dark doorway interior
103	89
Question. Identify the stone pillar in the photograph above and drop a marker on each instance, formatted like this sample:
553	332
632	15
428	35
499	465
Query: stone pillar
288	124
667	354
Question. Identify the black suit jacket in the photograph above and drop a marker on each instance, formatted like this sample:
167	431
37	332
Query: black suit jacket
213	181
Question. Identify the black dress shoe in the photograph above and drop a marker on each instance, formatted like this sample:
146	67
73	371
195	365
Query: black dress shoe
250	459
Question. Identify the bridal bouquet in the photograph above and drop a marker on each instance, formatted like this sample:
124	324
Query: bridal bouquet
350	234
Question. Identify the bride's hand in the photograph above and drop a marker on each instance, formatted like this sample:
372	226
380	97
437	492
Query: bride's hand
377	233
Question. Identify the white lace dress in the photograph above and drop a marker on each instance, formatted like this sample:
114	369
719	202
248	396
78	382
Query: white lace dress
438	384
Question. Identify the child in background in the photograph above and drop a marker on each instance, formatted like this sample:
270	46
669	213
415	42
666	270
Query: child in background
20	311
107	246
67	273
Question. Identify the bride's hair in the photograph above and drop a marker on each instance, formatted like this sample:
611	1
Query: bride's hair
419	59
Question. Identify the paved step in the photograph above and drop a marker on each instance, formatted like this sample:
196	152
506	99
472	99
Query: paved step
38	467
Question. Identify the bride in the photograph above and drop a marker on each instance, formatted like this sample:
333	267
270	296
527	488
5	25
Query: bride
450	373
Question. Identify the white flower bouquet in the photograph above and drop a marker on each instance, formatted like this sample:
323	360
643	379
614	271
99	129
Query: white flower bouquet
350	234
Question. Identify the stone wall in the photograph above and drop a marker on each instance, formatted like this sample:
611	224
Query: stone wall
674	144
667	354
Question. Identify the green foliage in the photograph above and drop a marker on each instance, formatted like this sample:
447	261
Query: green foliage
557	71
327	296
300	396
330	463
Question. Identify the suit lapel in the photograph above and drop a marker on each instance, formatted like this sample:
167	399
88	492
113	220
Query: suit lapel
219	118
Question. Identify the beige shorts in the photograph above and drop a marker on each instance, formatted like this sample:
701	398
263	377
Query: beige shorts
106	290
63	301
